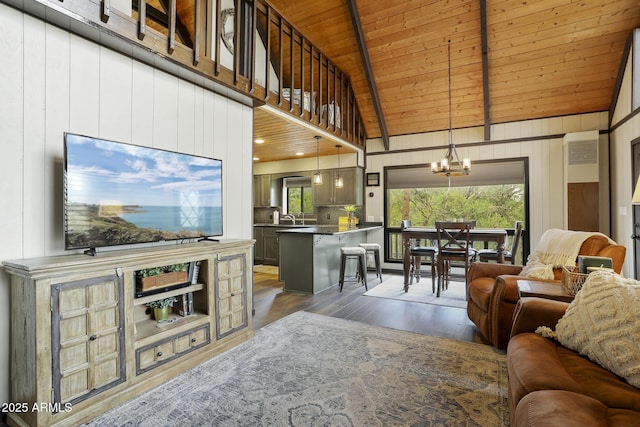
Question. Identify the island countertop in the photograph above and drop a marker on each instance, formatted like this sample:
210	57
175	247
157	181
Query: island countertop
329	229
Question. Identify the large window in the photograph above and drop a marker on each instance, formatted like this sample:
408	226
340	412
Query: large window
299	195
493	195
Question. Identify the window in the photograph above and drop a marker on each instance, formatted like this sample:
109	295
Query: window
298	195
493	194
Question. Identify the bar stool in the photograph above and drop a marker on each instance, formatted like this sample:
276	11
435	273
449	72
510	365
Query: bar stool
358	253
374	249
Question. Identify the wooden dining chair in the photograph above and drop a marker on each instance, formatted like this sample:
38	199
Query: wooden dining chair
486	255
454	244
417	253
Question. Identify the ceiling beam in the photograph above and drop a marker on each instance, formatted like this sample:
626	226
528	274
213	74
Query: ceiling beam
485	70
364	54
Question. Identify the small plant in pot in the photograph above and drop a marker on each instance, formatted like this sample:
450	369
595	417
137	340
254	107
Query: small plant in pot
157	277
351	212
162	307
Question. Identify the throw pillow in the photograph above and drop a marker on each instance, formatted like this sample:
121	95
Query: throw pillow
537	270
603	324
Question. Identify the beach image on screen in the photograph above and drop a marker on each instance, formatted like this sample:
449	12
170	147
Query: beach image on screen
120	193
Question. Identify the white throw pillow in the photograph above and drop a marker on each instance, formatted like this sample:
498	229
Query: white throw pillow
537	270
603	324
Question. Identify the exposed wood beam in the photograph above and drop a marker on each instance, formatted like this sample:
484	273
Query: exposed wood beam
364	54
485	70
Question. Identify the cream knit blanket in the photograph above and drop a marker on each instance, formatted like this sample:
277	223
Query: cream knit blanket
556	248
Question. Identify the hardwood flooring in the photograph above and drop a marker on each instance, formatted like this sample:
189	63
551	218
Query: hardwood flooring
271	303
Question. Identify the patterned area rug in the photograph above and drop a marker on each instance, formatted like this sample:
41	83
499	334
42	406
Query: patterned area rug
313	370
392	287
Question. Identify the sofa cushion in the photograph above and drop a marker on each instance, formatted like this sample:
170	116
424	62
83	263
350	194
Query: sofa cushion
603	323
559	407
538	363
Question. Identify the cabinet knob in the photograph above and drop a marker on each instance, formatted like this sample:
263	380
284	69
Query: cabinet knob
93	337
159	354
232	294
193	340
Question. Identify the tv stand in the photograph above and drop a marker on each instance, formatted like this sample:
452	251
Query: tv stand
81	340
208	239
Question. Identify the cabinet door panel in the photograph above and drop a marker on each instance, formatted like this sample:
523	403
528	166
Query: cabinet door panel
87	337
231	294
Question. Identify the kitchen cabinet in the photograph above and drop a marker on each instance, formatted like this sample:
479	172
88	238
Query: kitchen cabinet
267	247
267	191
351	194
258	248
262	190
271	246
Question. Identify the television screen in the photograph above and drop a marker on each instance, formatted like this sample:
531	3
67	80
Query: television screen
120	194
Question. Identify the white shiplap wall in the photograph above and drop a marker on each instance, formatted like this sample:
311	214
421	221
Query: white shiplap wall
52	81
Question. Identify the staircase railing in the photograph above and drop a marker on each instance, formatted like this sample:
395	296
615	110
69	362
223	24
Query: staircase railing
245	45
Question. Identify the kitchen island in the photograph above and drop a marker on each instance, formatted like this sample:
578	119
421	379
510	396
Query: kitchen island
310	257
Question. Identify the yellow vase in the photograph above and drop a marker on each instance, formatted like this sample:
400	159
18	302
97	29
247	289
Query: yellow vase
161	313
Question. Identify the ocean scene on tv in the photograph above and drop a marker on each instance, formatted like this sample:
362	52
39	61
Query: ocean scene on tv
120	194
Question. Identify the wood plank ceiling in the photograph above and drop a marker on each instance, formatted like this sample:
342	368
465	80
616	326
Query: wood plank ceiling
545	58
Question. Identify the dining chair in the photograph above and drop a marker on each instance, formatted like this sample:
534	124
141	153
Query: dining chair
486	255
417	253
454	245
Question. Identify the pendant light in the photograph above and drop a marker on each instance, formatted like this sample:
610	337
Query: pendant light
317	177
339	181
451	165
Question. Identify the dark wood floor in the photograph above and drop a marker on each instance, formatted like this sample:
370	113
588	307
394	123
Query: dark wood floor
271	303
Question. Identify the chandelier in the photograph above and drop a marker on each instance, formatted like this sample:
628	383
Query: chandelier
450	165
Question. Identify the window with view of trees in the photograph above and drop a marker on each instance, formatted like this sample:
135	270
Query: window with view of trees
493	195
492	206
299	195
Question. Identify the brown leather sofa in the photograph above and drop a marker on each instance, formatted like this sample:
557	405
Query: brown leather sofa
493	291
552	385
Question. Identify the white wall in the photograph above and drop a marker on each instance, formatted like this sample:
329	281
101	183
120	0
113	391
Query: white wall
545	156
51	82
622	170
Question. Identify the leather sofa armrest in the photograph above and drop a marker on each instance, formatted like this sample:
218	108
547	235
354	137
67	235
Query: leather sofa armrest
532	312
489	269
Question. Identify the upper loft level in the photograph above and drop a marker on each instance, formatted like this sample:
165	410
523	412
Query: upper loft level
244	45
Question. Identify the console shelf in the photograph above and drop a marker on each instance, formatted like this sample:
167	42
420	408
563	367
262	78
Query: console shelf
167	294
81	340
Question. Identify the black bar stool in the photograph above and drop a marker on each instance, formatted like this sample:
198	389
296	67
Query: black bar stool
374	249
358	253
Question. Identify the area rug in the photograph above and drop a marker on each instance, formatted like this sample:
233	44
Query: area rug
392	287
313	370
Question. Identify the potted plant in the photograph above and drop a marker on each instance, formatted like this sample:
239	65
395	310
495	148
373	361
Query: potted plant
162	307
156	277
351	211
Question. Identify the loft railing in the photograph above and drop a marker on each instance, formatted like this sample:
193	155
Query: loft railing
246	45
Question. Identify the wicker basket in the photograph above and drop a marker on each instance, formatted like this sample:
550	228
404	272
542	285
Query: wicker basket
572	280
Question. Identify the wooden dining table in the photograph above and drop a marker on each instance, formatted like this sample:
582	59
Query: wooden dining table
496	235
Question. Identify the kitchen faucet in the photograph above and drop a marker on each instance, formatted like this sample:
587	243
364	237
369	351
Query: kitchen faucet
292	218
302	215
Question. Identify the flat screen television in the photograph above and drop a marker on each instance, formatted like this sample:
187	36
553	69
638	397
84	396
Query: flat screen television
121	194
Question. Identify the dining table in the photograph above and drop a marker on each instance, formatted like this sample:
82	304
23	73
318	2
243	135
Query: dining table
499	236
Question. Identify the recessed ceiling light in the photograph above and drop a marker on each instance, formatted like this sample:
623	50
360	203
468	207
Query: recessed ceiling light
259	141
255	159
299	153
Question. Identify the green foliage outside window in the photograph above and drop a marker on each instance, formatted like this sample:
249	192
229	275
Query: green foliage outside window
299	199
492	206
